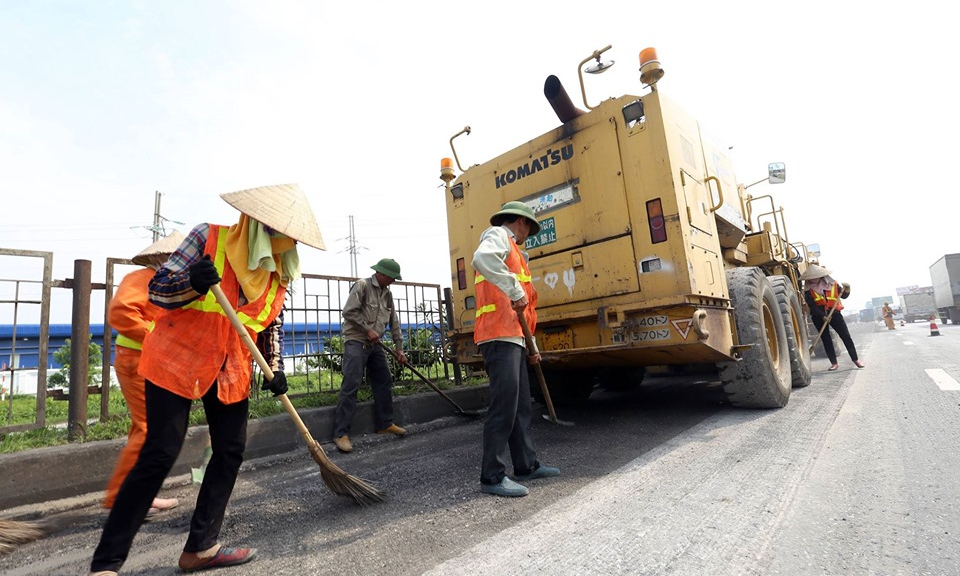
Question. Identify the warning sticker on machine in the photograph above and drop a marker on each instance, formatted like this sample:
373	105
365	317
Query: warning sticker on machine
650	335
547	235
649	328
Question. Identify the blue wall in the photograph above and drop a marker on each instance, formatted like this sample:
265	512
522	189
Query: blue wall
298	338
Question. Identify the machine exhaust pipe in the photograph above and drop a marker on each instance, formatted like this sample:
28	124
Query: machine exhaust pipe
558	98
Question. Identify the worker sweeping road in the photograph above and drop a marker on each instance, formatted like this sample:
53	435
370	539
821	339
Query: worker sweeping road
130	314
194	352
368	313
822	294
504	290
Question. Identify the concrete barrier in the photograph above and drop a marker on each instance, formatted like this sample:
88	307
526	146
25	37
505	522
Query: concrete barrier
58	472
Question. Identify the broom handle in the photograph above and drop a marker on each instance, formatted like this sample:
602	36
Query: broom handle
261	361
532	349
422	377
825	323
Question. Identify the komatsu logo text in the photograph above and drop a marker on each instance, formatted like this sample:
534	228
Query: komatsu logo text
550	158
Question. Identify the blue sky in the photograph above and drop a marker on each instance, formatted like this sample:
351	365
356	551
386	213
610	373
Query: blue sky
104	103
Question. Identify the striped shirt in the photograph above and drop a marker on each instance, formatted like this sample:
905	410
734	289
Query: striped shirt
170	289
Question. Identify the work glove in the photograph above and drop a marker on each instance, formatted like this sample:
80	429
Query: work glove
203	275
278	385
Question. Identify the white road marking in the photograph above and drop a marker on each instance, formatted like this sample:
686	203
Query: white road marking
942	379
908	343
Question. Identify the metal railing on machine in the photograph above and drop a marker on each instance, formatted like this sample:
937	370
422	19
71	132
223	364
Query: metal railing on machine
312	331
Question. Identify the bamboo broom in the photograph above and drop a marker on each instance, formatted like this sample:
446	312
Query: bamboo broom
14	533
338	481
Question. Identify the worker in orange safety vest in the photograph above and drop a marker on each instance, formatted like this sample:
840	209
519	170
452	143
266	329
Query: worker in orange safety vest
193	352
130	314
504	290
822	294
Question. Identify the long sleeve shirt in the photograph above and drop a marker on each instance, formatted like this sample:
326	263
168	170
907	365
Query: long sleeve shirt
130	311
170	288
490	260
370	307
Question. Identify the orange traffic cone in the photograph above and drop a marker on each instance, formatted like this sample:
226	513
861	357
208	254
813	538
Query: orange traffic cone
933	327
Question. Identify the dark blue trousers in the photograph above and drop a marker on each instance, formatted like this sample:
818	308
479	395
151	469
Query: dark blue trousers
507	425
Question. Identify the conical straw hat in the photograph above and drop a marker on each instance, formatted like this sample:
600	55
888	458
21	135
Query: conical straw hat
283	207
167	245
813	272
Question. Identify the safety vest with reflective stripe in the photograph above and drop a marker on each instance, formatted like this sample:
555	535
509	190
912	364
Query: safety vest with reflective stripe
130	311
128	342
827	300
189	348
495	316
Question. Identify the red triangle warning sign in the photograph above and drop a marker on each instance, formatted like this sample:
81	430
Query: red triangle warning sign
682	326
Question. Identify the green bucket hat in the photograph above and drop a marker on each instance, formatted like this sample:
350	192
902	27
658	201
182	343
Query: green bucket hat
389	267
517	209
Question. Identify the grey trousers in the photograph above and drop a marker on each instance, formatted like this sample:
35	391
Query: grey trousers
507	424
357	358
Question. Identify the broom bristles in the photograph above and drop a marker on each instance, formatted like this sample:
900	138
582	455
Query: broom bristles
14	533
343	484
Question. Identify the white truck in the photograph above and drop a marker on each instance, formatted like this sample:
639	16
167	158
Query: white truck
945	276
918	304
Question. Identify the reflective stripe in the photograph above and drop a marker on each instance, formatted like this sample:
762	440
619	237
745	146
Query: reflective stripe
257	324
209	302
128	342
520	276
486	309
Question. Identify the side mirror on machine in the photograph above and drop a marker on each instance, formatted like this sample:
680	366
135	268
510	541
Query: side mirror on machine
777	173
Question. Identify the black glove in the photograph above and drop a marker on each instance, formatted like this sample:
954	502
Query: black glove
203	275
278	385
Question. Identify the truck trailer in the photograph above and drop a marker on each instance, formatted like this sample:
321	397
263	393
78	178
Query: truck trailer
917	303
945	277
650	251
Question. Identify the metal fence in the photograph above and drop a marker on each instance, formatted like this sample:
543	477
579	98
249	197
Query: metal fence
312	324
312	332
20	296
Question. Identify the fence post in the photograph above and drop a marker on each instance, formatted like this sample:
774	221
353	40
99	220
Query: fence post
79	355
448	306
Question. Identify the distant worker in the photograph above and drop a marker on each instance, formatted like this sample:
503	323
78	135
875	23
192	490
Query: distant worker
193	352
887	313
130	314
366	315
823	294
504	290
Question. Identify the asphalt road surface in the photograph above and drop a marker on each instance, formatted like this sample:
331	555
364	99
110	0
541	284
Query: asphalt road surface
856	475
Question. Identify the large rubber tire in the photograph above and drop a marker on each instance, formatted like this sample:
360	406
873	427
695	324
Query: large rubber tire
793	323
761	379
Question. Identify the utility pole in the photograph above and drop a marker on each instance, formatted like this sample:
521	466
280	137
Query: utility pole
158	229
156	216
353	250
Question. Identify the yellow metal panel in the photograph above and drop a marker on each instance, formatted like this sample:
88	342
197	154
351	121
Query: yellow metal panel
556	340
608	268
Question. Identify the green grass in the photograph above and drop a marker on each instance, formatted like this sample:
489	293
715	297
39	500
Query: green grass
303	393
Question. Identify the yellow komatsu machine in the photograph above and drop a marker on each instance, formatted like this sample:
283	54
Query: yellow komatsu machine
649	252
